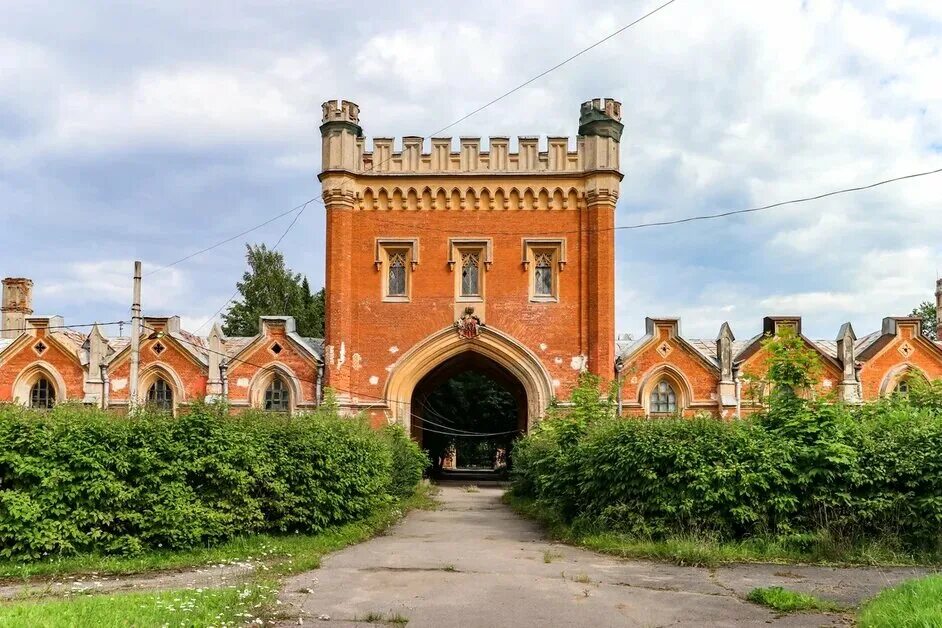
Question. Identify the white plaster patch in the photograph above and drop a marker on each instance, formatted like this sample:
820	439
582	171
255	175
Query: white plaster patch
357	361
712	396
542	346
390	368
827	383
555	383
558	360
342	357
394	349
242	382
330	354
374	380
119	384
578	362
634	380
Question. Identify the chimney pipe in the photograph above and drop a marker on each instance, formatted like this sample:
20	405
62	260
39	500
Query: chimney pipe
17	306
938	308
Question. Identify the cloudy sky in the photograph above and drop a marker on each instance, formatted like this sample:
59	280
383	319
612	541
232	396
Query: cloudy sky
150	132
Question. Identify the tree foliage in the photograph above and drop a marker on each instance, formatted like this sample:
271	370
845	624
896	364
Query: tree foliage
268	288
804	468
81	480
469	402
930	318
791	369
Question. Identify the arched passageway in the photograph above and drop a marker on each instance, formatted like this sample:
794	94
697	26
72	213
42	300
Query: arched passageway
467	412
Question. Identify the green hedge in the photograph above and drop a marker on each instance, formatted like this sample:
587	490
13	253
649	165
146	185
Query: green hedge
805	468
76	480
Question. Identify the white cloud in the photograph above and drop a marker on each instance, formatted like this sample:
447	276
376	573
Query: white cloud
726	106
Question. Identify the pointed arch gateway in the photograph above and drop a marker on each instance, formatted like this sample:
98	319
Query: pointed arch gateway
491	349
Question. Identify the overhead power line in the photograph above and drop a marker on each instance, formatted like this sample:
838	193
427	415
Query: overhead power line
427	135
549	70
78	326
270	368
230	239
236	291
661	223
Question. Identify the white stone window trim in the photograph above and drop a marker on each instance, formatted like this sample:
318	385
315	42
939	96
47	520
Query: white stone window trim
532	247
457	249
456	245
385	248
23	384
384	244
544	243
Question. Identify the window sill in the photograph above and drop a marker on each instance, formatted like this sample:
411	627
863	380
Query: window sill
544	299
469	299
396	299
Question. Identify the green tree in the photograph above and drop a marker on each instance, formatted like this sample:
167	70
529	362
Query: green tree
268	288
930	318
791	369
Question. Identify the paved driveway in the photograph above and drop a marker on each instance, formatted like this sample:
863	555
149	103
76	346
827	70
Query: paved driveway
473	562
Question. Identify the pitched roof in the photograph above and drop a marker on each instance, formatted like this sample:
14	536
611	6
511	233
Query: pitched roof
316	345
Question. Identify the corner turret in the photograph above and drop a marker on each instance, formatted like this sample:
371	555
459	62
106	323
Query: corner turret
342	136
600	130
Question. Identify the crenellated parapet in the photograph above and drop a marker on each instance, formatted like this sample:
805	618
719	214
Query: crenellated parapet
595	149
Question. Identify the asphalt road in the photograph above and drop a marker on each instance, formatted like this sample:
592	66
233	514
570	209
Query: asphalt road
473	562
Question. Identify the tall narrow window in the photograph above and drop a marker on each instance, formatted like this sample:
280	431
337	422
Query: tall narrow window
902	388
276	396
543	274
544	260
160	395
663	399
470	274
396	286
42	395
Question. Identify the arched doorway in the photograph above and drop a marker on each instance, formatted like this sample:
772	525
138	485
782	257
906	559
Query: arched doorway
498	350
467	412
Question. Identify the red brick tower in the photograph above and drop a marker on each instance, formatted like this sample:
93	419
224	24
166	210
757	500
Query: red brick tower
491	260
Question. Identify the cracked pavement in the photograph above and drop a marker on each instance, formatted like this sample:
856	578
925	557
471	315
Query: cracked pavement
473	562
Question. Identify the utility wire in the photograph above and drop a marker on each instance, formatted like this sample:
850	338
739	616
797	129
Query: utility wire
549	70
230	239
274	248
474	435
373	166
458	430
695	218
68	326
299	380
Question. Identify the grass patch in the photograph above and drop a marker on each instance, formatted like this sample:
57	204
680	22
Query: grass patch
551	555
913	604
280	556
383	618
471	488
211	607
787	601
706	552
297	551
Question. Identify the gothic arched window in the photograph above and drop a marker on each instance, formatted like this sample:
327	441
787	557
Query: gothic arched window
396	286
902	387
543	274
663	398
42	395
277	397
470	274
160	395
